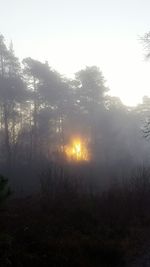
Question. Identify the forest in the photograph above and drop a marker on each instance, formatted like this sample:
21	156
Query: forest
74	168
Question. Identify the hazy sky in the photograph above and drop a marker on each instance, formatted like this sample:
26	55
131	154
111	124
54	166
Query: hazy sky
71	34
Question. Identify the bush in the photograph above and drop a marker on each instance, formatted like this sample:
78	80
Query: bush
4	189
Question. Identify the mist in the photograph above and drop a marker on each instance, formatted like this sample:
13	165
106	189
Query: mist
70	151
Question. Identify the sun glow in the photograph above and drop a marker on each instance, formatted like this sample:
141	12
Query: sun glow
77	150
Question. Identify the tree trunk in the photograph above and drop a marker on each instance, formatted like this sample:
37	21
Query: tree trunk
7	138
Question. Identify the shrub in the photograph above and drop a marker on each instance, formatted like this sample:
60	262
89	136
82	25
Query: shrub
4	188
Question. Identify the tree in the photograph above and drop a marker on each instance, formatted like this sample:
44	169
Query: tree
92	86
91	95
146	43
48	98
146	129
12	92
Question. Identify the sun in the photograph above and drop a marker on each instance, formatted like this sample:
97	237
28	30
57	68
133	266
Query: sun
77	150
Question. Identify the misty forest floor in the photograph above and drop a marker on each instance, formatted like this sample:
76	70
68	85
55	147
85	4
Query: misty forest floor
74	230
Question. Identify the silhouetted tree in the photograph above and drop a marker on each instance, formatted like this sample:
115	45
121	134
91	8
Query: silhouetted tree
12	92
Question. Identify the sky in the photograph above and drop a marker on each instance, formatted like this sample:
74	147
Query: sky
72	34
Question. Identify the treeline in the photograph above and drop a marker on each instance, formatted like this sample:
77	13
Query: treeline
94	214
40	110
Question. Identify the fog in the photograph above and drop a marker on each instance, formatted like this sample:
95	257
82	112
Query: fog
63	138
41	112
